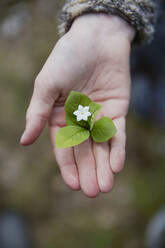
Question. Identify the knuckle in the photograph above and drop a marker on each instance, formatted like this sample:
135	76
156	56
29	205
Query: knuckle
45	87
40	117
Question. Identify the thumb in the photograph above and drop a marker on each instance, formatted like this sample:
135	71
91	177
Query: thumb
39	110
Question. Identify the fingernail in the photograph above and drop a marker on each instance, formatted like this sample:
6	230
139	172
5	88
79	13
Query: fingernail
22	137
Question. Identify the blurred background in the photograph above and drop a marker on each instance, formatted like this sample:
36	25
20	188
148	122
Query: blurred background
33	197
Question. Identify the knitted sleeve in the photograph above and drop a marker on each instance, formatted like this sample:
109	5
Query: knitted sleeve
141	14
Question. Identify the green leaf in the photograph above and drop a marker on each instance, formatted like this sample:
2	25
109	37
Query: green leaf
71	136
74	99
94	109
103	130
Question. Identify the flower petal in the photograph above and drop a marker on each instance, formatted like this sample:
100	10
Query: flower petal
88	114
76	112
85	117
86	109
80	107
79	117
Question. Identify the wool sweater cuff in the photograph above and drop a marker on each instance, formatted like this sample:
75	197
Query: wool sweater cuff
141	14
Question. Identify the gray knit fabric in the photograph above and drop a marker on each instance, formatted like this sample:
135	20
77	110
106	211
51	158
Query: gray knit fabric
141	14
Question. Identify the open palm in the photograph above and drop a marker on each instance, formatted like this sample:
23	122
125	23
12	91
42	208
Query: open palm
98	68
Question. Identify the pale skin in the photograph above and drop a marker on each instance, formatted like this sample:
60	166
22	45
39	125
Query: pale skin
92	58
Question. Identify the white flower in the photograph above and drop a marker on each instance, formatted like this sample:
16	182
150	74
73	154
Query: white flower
82	113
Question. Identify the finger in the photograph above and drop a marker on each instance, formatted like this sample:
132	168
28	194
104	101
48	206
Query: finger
117	146
87	169
39	111
66	162
104	172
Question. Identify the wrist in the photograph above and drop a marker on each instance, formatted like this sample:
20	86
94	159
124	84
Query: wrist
104	25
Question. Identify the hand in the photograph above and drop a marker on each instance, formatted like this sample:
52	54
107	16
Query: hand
93	58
